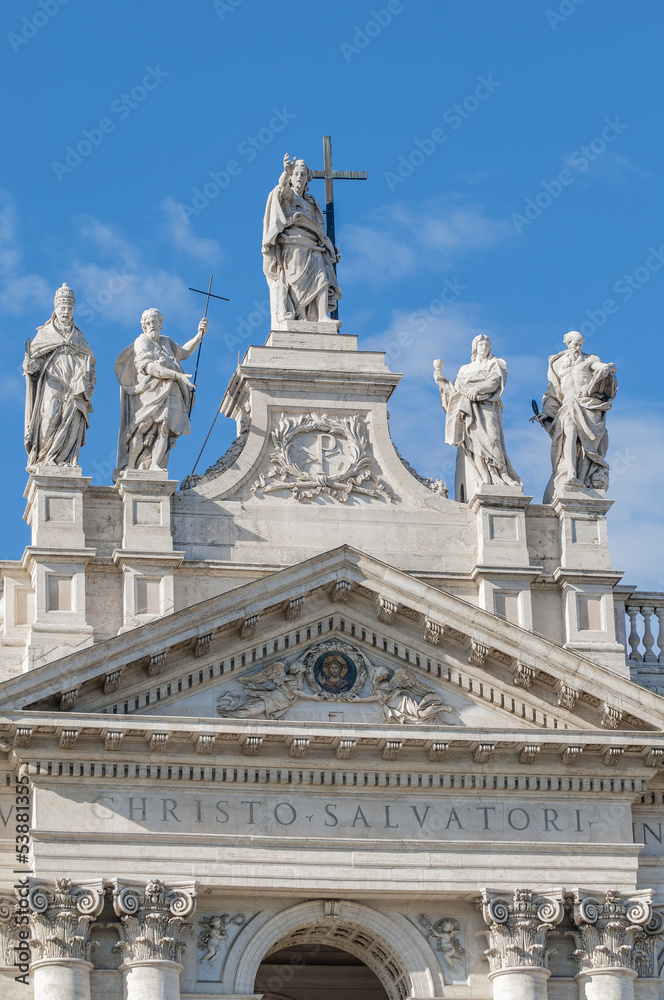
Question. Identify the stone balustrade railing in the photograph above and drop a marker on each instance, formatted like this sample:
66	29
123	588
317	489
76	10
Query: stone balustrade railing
645	629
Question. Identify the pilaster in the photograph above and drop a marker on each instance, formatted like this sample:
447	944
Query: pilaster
154	920
503	571
519	926
60	921
147	557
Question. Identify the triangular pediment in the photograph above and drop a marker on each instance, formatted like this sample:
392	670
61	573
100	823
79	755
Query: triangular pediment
399	652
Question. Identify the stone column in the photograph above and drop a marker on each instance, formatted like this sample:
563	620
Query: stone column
518	929
606	926
153	921
60	923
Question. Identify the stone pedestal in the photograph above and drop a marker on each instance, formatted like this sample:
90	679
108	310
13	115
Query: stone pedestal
156	980
520	984
147	557
586	578
55	563
503	571
606	984
61	980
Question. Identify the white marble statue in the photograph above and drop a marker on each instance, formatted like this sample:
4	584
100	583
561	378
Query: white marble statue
580	392
474	420
155	395
298	257
268	693
60	379
404	699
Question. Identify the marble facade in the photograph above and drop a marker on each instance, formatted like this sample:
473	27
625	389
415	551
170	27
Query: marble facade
305	704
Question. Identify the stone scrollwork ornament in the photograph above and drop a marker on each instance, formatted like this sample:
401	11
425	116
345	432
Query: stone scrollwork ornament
153	921
60	919
318	454
519	926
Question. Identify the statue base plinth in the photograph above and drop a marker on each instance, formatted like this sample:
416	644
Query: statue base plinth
307	326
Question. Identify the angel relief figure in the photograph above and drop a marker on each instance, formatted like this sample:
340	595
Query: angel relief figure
214	932
268	693
403	697
441	934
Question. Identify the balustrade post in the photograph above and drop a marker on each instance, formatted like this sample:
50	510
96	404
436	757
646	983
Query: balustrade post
659	611
648	637
634	637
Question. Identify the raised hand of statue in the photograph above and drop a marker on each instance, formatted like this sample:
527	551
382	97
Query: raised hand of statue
202	328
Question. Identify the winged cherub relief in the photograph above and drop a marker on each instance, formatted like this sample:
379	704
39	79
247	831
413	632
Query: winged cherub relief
403	697
268	693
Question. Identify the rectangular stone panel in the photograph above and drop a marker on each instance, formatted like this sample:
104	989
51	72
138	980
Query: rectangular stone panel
24	606
590	613
506	604
148	595
147	512
584	531
59	596
60	509
503	527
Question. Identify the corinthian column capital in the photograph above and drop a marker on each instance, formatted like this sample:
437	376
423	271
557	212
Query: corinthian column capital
153	921
519	925
607	925
60	919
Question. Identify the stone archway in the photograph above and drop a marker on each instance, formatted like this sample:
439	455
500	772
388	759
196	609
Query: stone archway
316	972
388	945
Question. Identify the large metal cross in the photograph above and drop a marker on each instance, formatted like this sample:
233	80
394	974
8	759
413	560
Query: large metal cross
208	295
329	176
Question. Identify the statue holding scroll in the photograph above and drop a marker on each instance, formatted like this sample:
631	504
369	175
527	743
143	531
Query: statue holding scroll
474	420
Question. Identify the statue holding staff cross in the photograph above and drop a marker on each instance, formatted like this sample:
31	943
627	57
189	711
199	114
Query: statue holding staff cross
299	253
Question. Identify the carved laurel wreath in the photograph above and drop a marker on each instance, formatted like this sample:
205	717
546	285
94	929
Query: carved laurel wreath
285	474
334	645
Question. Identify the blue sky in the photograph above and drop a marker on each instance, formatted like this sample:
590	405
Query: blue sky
514	152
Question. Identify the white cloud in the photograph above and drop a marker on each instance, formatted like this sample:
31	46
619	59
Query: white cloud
396	240
178	230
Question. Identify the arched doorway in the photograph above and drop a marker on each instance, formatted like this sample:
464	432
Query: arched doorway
316	972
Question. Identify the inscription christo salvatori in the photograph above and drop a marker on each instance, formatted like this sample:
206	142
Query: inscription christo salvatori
359	817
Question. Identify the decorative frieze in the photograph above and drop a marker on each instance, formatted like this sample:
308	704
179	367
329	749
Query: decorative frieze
524	675
294	608
60	920
611	717
23	737
433	631
112	681
612	756
153	921
386	610
605	928
654	758
477	653
202	644
567	697
519	926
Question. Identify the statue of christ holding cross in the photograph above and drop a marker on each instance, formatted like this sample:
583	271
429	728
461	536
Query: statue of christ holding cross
298	257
